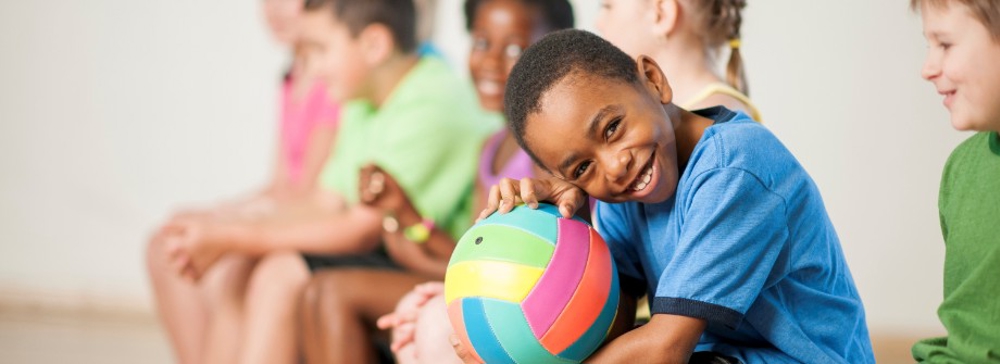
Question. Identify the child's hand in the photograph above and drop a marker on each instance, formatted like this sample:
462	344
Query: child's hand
192	246
466	356
403	320
504	196
378	189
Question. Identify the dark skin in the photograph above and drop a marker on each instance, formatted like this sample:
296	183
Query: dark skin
617	141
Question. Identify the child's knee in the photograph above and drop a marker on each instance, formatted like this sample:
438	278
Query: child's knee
284	271
321	300
224	285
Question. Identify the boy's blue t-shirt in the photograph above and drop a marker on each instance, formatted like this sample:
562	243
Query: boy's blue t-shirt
745	244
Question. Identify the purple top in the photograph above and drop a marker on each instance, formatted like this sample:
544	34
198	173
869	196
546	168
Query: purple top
519	166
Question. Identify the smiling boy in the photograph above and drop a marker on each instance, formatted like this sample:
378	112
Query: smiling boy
706	211
963	39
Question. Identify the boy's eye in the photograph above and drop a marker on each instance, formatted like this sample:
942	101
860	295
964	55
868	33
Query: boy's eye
944	46
480	44
611	129
513	51
580	169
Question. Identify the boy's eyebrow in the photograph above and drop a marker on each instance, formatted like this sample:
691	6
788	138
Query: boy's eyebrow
601	114
591	130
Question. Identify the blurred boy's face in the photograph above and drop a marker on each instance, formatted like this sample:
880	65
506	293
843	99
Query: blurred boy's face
610	138
333	55
501	30
963	63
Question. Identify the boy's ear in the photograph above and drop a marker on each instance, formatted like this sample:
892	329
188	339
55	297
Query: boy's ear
377	43
653	79
667	13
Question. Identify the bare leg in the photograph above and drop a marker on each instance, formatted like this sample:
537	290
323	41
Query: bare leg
340	309
178	302
224	287
432	332
271	309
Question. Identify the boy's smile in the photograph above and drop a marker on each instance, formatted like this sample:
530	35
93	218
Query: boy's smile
612	139
962	65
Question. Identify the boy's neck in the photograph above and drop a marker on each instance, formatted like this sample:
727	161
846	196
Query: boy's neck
688	68
688	129
387	76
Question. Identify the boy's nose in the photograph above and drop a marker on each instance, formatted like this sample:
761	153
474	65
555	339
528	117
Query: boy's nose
931	69
618	166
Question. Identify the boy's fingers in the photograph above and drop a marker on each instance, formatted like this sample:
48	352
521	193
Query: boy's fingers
528	193
508	195
491	203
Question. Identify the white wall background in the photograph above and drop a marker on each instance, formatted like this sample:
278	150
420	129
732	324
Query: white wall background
112	112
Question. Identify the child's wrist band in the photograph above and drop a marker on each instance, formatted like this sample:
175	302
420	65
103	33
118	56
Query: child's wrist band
419	233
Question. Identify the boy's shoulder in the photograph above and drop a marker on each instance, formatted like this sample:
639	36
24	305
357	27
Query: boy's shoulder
432	81
432	94
974	144
737	141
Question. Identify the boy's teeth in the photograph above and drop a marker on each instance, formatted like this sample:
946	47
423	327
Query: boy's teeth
641	183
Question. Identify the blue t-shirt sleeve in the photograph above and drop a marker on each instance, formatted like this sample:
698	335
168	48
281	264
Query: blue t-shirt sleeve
613	223
734	229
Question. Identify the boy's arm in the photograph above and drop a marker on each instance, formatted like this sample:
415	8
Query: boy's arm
665	339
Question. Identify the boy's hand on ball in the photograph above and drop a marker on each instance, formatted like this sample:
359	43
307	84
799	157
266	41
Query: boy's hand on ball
509	193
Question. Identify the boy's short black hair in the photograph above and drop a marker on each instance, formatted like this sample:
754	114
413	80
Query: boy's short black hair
557	14
551	59
397	15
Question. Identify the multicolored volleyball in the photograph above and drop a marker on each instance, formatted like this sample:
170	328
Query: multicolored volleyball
531	286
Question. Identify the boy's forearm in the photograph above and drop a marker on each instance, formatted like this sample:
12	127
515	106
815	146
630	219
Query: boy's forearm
665	339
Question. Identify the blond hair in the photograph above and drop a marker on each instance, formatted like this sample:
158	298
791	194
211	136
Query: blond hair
986	11
719	23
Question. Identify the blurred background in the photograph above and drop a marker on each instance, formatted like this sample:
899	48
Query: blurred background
115	112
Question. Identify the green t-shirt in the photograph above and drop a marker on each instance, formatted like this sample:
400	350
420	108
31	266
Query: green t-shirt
427	135
969	206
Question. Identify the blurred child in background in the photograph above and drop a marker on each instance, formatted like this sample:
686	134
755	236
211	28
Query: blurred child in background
685	37
500	30
199	330
409	115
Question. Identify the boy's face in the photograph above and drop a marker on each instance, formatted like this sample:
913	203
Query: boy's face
962	63
333	55
610	138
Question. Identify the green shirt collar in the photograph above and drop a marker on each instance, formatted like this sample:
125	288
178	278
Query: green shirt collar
994	142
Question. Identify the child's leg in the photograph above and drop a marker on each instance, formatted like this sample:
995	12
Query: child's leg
270	315
431	338
224	287
199	318
340	309
183	314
